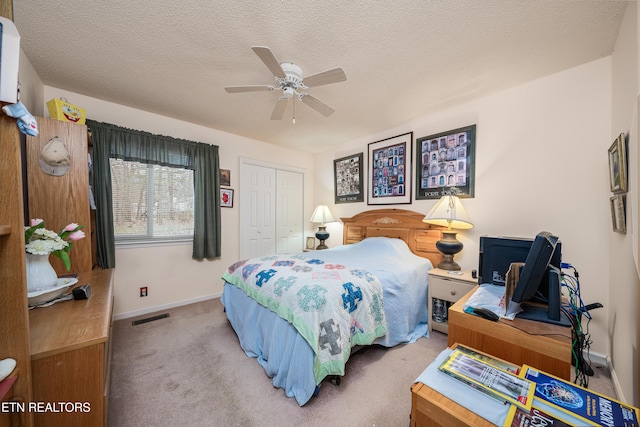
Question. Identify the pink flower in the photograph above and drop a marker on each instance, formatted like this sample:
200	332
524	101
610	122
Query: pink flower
71	227
76	235
36	221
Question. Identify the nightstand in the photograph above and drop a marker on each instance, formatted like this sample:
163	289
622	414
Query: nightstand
447	287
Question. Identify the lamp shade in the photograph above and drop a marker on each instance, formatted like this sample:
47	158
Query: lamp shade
449	212
322	215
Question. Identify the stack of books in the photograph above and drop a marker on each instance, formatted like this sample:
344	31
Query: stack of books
536	398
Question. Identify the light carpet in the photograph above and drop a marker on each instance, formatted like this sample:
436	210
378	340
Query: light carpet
189	370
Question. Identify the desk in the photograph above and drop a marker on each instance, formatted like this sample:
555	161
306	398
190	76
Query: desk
430	408
70	353
540	345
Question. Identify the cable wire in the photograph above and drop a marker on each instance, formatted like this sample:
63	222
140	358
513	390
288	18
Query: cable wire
581	339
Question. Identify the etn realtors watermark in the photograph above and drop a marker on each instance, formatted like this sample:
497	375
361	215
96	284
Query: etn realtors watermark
45	407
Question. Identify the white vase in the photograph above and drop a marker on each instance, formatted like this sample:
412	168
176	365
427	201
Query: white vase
40	273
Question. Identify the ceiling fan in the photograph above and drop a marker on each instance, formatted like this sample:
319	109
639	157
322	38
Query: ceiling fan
290	80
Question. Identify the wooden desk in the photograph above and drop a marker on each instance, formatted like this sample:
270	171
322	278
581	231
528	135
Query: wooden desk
430	408
70	353
540	345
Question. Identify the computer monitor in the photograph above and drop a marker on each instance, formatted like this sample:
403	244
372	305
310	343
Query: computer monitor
542	263
497	254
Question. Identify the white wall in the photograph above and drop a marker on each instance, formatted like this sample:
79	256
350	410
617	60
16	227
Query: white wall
623	273
541	164
172	276
31	87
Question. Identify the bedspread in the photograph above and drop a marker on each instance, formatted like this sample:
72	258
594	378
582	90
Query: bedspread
333	306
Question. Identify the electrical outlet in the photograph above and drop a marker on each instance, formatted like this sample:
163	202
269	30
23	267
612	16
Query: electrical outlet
143	291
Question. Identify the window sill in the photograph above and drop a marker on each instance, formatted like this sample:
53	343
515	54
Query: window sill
136	244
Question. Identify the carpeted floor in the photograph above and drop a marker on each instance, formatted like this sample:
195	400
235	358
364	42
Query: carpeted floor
188	369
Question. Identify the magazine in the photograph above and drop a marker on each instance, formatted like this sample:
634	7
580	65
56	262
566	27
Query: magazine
518	417
490	360
562	399
485	390
495	382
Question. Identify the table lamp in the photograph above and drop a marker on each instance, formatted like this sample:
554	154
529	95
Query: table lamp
450	213
322	215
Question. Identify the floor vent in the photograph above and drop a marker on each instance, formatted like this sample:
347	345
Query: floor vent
150	319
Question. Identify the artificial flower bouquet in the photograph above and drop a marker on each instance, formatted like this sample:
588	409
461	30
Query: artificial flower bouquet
41	241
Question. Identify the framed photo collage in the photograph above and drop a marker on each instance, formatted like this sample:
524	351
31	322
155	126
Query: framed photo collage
444	164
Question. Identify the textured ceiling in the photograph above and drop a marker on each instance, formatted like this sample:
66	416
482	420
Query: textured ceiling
403	58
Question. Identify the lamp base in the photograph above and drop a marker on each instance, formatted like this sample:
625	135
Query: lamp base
322	234
449	246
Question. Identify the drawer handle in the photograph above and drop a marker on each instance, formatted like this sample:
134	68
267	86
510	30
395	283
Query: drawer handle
453	292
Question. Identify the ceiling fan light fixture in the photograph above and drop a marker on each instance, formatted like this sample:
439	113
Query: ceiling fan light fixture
288	92
293	73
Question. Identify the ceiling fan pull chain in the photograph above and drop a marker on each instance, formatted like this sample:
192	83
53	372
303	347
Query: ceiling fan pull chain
293	102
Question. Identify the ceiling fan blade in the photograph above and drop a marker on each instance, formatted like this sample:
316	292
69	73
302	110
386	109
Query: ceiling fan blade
278	110
314	103
269	59
249	88
330	76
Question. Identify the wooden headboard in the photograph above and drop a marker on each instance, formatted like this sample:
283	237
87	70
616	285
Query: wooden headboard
396	223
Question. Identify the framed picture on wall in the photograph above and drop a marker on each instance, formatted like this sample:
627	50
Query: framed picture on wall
225	177
389	170
618	165
445	164
618	213
226	198
347	172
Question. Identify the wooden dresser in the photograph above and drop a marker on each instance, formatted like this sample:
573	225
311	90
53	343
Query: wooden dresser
70	355
45	190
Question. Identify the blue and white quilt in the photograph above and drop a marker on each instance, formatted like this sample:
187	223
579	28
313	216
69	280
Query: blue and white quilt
333	306
287	357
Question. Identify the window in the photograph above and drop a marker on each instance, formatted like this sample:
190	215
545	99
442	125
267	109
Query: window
151	202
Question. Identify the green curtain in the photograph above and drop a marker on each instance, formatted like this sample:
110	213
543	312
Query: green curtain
106	249
111	141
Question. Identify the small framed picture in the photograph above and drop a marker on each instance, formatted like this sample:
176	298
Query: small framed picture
225	177
618	165
311	242
226	198
618	214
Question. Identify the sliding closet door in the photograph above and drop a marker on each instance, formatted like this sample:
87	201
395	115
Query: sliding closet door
257	211
289	212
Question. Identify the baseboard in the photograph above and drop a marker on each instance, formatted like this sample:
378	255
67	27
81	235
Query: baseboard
616	385
604	360
597	358
143	311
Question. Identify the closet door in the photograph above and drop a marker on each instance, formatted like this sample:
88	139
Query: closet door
289	212
257	211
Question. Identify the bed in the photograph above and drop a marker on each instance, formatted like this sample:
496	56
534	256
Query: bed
300	315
